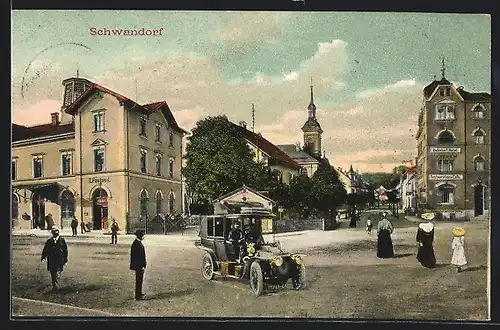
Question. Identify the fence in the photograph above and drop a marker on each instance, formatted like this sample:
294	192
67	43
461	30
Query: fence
283	226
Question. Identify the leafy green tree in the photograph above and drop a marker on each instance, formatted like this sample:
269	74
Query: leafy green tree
218	160
327	192
299	200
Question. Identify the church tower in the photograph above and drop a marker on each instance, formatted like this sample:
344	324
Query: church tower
74	87
312	130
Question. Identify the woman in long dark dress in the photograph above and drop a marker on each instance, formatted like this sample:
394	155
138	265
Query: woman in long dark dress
425	238
384	242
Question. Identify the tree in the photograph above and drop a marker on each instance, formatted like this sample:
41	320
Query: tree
327	191
218	160
299	193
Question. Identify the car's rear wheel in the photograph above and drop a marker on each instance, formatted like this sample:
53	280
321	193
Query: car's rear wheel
299	282
207	266
256	279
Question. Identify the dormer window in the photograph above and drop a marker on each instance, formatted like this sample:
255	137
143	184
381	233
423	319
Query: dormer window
445	91
445	112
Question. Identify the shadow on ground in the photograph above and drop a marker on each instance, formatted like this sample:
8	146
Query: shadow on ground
169	294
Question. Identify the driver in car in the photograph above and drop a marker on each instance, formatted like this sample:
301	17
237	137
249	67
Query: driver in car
252	235
236	238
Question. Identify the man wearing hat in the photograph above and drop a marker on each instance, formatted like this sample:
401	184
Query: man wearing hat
56	253
138	262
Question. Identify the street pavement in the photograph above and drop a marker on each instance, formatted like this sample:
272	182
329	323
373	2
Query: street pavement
345	278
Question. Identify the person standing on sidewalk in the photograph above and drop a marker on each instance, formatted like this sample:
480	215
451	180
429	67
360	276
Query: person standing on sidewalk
458	259
56	253
74	226
138	263
114	232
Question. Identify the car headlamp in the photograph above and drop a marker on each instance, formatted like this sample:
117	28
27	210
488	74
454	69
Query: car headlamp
278	261
251	248
297	259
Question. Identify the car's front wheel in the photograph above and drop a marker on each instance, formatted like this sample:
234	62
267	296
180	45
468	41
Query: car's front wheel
207	266
299	282
256	279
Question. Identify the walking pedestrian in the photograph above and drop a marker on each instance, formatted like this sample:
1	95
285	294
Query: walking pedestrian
138	263
74	226
458	259
369	225
114	232
425	239
82	226
384	242
56	253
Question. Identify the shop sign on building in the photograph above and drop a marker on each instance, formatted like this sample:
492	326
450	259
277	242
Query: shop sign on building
99	180
445	177
445	150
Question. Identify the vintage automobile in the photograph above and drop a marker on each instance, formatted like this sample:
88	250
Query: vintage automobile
264	264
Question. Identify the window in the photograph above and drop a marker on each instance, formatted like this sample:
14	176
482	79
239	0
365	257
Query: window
171	167
479	136
219	227
478	163
445	91
158	164
15	206
143	206
445	194
143	156
66	163
14	170
99	121
170	139
99	155
445	111
446	137
445	165
67	205
159	202
158	133
37	166
142	126
171	203
478	112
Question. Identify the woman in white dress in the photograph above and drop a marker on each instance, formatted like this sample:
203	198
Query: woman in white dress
458	259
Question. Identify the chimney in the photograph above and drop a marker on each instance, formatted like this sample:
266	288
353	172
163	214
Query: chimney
54	118
243	124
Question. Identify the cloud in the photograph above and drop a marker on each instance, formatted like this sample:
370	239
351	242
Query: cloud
244	29
193	87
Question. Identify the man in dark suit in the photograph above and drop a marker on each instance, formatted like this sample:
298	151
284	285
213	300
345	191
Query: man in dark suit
138	263
56	253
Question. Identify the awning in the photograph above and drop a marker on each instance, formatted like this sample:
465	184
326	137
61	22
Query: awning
47	190
34	185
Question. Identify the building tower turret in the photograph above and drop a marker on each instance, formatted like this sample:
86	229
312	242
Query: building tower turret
312	130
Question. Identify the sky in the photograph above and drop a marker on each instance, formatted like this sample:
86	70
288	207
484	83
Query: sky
368	69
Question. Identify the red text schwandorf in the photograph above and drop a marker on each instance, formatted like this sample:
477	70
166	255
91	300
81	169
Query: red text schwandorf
125	32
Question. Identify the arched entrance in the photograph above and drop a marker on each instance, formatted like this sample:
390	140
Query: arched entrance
67	205
100	209
478	200
38	211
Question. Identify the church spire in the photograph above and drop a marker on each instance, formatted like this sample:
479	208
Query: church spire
311	108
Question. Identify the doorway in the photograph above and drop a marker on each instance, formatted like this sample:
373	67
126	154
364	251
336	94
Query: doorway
38	211
478	200
100	209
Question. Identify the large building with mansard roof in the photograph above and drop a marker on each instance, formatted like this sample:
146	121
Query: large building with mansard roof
453	157
102	156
